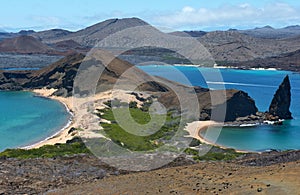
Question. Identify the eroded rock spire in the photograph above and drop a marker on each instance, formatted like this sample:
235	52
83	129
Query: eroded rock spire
280	105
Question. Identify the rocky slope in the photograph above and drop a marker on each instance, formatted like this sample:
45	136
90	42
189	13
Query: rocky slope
25	45
6	35
230	46
256	47
92	34
30	45
86	174
267	32
50	34
35	176
69	45
189	33
11	61
201	178
225	46
61	74
286	61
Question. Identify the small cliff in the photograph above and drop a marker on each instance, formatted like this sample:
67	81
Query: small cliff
241	105
280	105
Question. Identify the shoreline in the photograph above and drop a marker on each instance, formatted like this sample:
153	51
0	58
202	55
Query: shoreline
194	129
61	136
83	120
42	143
82	115
222	67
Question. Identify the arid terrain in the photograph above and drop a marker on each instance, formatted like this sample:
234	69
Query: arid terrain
201	178
264	47
266	173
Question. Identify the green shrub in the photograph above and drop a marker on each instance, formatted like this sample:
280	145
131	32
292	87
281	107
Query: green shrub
217	156
47	151
131	140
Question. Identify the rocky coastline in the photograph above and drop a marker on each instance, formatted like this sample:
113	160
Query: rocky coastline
279	109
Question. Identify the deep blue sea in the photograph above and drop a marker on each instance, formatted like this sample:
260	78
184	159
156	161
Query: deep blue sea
26	119
261	86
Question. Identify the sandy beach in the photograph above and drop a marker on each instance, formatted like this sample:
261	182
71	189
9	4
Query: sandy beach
83	117
196	127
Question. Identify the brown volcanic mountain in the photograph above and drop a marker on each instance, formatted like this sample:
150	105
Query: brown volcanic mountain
61	74
285	61
67	45
268	32
233	46
50	34
25	45
91	35
225	46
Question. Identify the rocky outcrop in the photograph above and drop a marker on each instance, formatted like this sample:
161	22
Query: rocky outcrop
19	176
270	158
226	106
278	110
59	75
280	105
240	105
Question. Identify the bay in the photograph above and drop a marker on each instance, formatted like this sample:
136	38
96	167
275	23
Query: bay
261	86
26	119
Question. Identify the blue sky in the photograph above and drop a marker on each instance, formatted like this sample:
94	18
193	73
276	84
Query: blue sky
173	14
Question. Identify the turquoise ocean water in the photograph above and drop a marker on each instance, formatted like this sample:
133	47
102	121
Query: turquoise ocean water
261	86
26	119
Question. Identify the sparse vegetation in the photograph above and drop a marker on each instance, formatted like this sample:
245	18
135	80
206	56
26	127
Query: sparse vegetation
130	140
215	154
48	151
133	141
143	143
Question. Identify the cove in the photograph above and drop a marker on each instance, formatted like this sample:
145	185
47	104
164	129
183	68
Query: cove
261	86
26	119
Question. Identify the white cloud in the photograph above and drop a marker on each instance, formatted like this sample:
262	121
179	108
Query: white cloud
188	9
49	20
276	14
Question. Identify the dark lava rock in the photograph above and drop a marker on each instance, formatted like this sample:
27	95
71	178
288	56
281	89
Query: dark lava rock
39	175
36	176
269	158
240	105
280	104
259	189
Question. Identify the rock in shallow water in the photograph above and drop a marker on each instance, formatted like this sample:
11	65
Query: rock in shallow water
281	101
